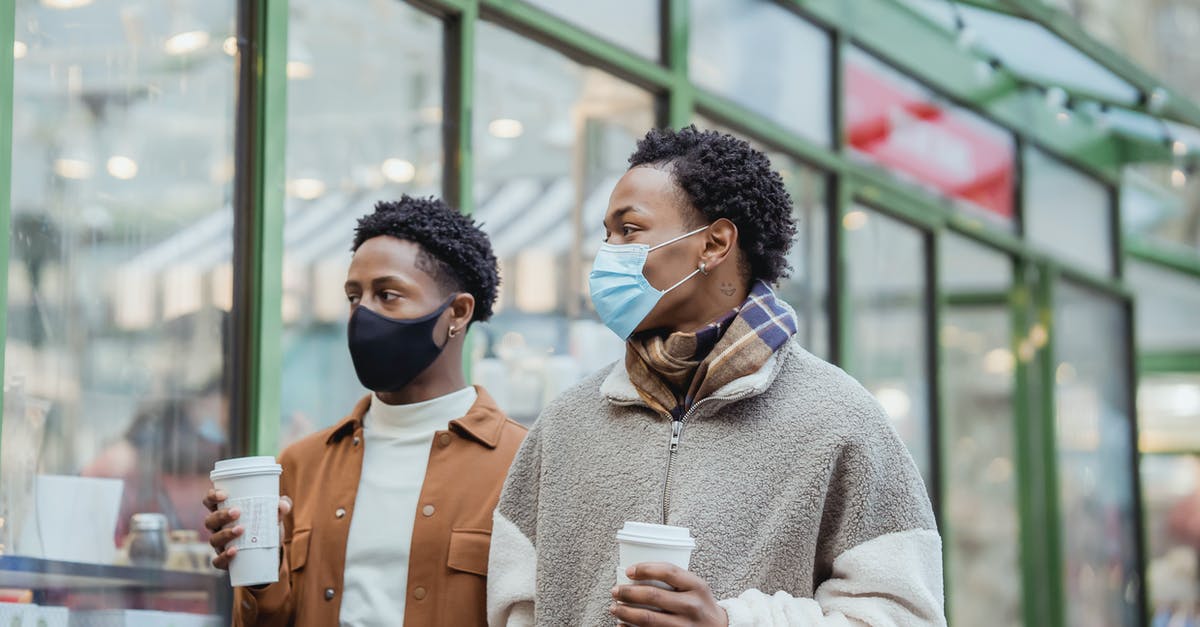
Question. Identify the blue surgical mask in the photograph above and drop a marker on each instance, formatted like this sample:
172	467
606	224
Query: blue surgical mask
620	292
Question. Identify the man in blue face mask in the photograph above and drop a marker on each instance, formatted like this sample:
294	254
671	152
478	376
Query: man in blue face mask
388	513
804	505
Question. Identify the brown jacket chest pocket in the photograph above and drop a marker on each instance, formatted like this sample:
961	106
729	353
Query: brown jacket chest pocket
469	551
298	549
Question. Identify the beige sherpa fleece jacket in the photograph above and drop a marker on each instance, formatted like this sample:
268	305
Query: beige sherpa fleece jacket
806	507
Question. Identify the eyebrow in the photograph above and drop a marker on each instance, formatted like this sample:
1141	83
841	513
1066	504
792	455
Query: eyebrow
620	213
378	281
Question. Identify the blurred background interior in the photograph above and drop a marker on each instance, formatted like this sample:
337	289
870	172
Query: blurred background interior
999	236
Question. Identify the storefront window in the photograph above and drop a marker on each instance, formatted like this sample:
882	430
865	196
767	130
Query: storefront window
889	313
119	284
982	534
766	58
551	137
1171	505
1160	204
1068	213
807	287
1095	451
634	24
1167	306
364	109
896	123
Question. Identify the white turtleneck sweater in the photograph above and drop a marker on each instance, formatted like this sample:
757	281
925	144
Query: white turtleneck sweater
396	440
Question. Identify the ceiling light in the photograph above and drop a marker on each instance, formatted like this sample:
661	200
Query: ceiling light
121	167
230	46
186	42
506	128
72	168
1178	148
855	220
306	188
66	4
1178	177
19	50
398	170
299	70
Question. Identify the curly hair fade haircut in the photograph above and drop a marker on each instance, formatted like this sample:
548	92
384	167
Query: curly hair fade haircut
722	176
454	250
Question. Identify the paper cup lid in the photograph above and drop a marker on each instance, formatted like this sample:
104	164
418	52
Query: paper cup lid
656	535
244	467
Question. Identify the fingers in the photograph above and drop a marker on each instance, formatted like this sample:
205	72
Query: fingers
669	601
670	574
641	617
221	518
213	499
285	506
223	557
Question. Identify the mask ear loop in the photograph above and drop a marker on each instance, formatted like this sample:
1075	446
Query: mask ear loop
683	280
672	241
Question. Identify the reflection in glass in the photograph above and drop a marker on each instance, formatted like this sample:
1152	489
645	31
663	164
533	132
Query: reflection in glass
551	137
1095	450
1160	203
888	308
1167	305
766	58
634	24
119	284
898	124
1171	502
1068	213
807	288
364	124
978	365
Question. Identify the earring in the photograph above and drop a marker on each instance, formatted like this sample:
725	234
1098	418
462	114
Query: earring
704	268
453	332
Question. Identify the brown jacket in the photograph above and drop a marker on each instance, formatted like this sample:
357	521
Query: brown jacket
447	566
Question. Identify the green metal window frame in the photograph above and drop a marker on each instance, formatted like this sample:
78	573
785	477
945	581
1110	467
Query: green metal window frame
885	28
8	36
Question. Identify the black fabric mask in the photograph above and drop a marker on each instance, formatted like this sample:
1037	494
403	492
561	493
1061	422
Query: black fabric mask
388	353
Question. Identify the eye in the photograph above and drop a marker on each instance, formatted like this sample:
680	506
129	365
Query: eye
353	298
626	229
388	296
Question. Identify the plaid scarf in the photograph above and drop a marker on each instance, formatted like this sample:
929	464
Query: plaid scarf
673	372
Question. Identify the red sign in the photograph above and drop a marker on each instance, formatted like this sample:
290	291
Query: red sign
902	128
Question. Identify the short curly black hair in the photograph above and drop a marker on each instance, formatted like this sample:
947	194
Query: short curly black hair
722	176
455	251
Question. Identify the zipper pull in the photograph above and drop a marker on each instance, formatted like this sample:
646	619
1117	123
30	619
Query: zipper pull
676	429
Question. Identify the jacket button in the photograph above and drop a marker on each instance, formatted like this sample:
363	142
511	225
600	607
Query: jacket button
340	513
329	594
419	593
427	510
444	439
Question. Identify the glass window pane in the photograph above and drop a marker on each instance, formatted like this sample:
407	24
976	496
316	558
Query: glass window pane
767	59
1161	204
1167	306
634	24
1068	213
901	126
983	539
1168	412
551	137
888	313
119	276
1171	501
362	127
1095	450
807	289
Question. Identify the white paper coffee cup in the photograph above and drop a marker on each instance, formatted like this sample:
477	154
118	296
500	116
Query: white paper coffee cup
638	543
252	486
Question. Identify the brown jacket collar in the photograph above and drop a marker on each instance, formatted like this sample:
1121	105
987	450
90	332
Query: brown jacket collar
483	422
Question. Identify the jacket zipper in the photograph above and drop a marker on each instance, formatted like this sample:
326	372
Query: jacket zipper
676	431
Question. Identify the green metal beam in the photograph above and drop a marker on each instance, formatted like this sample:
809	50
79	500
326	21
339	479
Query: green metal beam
1054	559
1171	259
1162	362
261	290
459	106
1178	106
577	43
8	20
681	107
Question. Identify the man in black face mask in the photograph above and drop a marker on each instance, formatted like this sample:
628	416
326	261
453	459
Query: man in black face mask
392	509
